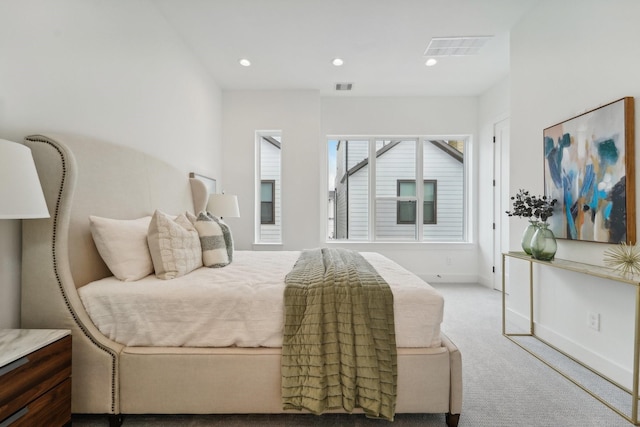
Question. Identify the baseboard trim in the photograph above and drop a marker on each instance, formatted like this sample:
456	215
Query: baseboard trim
620	374
449	278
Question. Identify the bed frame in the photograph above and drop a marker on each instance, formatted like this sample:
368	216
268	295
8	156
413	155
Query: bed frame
81	177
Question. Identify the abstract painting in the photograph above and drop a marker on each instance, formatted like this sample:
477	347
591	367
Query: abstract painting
589	168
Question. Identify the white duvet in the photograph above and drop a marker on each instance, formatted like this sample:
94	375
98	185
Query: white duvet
240	305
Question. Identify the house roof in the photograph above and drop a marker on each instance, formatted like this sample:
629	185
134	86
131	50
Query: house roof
441	144
271	140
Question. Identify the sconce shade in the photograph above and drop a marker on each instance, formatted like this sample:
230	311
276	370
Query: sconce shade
20	191
223	205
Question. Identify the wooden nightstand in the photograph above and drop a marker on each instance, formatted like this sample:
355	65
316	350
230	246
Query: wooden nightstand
35	377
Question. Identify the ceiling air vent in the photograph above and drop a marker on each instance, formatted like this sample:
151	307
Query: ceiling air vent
344	86
455	46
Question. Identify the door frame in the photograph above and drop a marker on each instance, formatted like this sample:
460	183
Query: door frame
500	241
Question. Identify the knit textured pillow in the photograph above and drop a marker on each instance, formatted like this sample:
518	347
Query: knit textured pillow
212	241
174	245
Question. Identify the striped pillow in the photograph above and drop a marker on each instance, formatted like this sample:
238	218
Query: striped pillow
212	241
226	232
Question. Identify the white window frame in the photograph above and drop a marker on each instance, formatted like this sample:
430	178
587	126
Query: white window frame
420	140
259	135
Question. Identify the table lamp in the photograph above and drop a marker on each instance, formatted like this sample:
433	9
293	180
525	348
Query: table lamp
223	205
20	191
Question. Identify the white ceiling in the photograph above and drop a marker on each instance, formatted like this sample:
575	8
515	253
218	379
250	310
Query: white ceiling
291	43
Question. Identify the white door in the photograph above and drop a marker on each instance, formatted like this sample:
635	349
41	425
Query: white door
500	197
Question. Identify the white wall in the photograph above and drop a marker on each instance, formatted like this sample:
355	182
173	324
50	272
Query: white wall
567	58
412	116
305	120
297	115
111	70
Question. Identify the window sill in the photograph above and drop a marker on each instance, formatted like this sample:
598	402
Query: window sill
402	245
267	246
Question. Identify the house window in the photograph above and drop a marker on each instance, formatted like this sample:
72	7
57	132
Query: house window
407	209
267	196
268	187
372	194
429	210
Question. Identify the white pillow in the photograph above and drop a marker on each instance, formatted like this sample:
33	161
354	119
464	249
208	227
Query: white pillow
122	244
174	245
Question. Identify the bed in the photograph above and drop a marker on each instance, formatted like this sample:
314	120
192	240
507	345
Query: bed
116	371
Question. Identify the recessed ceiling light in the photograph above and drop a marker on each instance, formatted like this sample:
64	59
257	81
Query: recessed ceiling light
431	62
337	62
245	62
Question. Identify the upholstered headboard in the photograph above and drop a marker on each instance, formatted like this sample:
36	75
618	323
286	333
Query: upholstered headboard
80	177
83	176
201	187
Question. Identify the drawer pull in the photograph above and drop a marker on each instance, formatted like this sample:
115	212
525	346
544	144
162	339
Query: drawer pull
21	413
13	365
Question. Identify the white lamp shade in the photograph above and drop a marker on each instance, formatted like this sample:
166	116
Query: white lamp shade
20	191
223	205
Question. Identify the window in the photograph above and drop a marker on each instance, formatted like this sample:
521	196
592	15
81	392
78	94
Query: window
429	211
407	209
349	178
267	196
372	194
268	187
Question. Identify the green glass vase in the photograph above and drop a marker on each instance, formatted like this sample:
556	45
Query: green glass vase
543	243
528	235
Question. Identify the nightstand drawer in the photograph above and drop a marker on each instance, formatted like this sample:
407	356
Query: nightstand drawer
30	377
51	409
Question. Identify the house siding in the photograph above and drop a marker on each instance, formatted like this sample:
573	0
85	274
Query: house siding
352	191
449	173
398	163
270	161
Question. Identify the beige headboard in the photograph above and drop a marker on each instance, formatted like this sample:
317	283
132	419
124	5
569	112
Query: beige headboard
80	177
83	176
201	187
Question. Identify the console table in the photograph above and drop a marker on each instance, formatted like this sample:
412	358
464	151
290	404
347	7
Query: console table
591	270
35	377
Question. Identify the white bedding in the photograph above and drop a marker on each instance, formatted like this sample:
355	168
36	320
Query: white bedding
240	305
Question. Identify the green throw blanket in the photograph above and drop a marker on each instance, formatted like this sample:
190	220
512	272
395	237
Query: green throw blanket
339	348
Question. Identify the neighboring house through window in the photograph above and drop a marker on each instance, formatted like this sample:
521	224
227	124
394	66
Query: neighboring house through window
372	189
268	187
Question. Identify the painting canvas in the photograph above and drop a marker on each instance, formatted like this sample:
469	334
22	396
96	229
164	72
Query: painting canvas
589	169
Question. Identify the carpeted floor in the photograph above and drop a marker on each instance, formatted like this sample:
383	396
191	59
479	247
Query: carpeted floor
504	386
